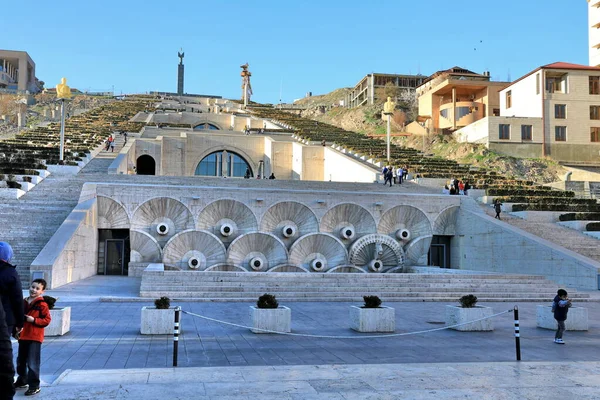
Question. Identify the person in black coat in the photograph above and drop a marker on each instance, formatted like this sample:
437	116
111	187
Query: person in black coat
12	292
7	368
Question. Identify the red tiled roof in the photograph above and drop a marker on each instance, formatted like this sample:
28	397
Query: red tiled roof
564	65
557	65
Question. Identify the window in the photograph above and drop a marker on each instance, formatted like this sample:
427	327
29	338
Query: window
556	83
525	132
560	111
509	99
537	84
594	112
594	84
496	112
504	133
560	133
594	134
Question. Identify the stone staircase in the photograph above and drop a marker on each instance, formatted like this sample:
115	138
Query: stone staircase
561	236
29	222
240	286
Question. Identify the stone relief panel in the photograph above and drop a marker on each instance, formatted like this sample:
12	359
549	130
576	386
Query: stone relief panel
194	250
348	222
410	227
289	220
227	219
318	252
111	214
162	218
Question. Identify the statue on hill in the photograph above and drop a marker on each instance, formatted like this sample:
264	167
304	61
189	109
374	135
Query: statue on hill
389	106
246	86
62	90
181	55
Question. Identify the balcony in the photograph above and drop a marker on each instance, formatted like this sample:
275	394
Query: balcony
5	79
467	112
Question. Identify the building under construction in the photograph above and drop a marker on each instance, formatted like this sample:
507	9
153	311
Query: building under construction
366	93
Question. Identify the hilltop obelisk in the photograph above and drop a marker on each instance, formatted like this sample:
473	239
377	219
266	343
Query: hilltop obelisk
180	73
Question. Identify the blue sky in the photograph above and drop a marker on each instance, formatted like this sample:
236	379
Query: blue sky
296	46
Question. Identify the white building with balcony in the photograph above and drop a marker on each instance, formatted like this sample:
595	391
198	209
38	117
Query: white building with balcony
552	111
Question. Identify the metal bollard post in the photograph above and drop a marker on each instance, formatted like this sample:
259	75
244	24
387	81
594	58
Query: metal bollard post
517	333
176	334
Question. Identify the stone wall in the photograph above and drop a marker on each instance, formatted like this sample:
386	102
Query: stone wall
485	244
71	254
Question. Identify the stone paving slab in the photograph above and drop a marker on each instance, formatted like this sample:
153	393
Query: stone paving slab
107	335
506	380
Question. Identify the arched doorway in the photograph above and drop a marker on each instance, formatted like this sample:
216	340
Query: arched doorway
223	163
206	125
146	165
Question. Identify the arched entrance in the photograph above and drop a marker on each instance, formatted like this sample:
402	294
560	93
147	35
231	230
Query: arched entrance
206	125
223	163
145	165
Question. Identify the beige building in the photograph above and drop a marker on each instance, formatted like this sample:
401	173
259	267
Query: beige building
552	111
594	32
370	89
17	71
456	97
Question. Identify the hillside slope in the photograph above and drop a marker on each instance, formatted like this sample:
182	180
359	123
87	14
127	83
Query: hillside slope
367	120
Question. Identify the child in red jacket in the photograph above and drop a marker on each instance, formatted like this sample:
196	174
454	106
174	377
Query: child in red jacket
37	317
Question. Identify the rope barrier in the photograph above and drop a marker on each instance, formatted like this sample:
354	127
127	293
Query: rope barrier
345	337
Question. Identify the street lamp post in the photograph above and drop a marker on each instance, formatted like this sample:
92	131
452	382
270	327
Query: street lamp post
388	110
63	93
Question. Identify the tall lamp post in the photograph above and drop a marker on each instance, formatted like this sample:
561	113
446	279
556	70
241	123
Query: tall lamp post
388	109
63	93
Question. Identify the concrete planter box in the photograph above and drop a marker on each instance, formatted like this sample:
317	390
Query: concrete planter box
6	193
577	318
273	319
158	321
61	322
459	315
381	319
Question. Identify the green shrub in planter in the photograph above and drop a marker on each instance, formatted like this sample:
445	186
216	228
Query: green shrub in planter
593	227
580	217
267	301
163	303
468	301
372	302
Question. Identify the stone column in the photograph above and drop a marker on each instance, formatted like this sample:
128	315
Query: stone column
453	108
224	159
21	120
22	74
232	121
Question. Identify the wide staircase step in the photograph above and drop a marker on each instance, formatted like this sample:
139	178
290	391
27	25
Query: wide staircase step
230	286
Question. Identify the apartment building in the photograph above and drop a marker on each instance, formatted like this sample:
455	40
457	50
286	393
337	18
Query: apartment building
17	71
454	98
594	32
552	111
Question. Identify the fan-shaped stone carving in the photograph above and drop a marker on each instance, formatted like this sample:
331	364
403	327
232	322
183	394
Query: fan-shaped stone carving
227	219
347	269
288	220
162	217
225	268
111	214
144	248
411	227
376	253
288	268
257	252
318	252
195	250
445	222
348	222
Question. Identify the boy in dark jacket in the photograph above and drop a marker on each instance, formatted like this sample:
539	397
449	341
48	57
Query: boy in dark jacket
37	317
560	307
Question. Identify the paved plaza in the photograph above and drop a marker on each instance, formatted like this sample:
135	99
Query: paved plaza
105	336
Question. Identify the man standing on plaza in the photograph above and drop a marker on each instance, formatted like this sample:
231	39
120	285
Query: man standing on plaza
11	294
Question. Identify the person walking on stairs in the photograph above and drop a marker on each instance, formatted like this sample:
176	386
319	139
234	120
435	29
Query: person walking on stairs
497	208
